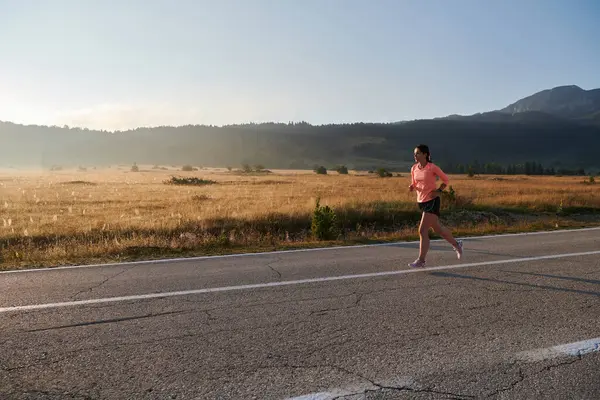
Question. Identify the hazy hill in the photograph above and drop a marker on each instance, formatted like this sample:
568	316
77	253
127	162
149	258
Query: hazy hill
539	128
565	101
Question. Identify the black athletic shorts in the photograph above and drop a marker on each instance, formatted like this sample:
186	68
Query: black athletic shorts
431	206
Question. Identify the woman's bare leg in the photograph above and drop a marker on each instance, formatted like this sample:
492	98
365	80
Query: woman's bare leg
426	222
443	232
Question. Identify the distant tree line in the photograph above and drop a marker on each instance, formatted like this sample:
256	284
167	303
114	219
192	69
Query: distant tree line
507	140
527	168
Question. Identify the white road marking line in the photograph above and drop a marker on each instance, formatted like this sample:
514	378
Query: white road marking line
335	394
318	396
358	389
267	253
570	349
286	283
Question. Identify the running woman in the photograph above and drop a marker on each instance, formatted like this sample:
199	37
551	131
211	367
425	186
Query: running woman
423	174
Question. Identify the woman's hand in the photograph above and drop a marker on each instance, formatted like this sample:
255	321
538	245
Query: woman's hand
411	187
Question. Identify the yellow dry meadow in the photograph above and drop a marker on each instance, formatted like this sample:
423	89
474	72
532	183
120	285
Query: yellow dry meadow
61	217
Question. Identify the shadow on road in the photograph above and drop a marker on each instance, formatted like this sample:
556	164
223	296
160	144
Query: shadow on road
443	246
493	280
489	253
432	246
567	278
105	321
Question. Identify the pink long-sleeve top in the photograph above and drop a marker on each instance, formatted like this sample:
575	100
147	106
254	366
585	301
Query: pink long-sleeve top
424	180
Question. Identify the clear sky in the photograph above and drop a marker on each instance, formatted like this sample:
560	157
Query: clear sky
117	64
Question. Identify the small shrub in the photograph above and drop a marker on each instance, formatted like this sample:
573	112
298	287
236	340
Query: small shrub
259	167
187	168
135	168
451	200
86	183
560	209
450	194
382	172
342	170
320	170
324	222
449	197
200	197
223	239
591	180
246	168
189	181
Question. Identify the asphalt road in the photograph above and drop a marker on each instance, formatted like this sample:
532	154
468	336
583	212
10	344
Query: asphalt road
517	318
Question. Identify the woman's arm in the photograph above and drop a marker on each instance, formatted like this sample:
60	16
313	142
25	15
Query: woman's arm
445	180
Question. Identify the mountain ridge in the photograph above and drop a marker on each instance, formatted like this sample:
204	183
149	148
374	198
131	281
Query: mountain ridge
528	133
569	101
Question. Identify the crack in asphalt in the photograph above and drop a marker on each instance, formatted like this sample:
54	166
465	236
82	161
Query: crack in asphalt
40	361
569	361
481	307
380	387
325	311
359	297
43	361
273	303
510	386
507	290
333	340
329	346
55	394
209	316
522	376
270	266
74	297
409	388
440	332
377	387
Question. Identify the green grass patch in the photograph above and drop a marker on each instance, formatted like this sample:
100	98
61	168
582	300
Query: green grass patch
194	181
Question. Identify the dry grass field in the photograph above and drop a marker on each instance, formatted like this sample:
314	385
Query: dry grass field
73	217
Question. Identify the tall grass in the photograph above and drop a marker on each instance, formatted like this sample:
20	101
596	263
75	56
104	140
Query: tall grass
57	217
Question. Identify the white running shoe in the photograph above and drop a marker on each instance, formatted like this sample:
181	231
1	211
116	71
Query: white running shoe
417	264
459	249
